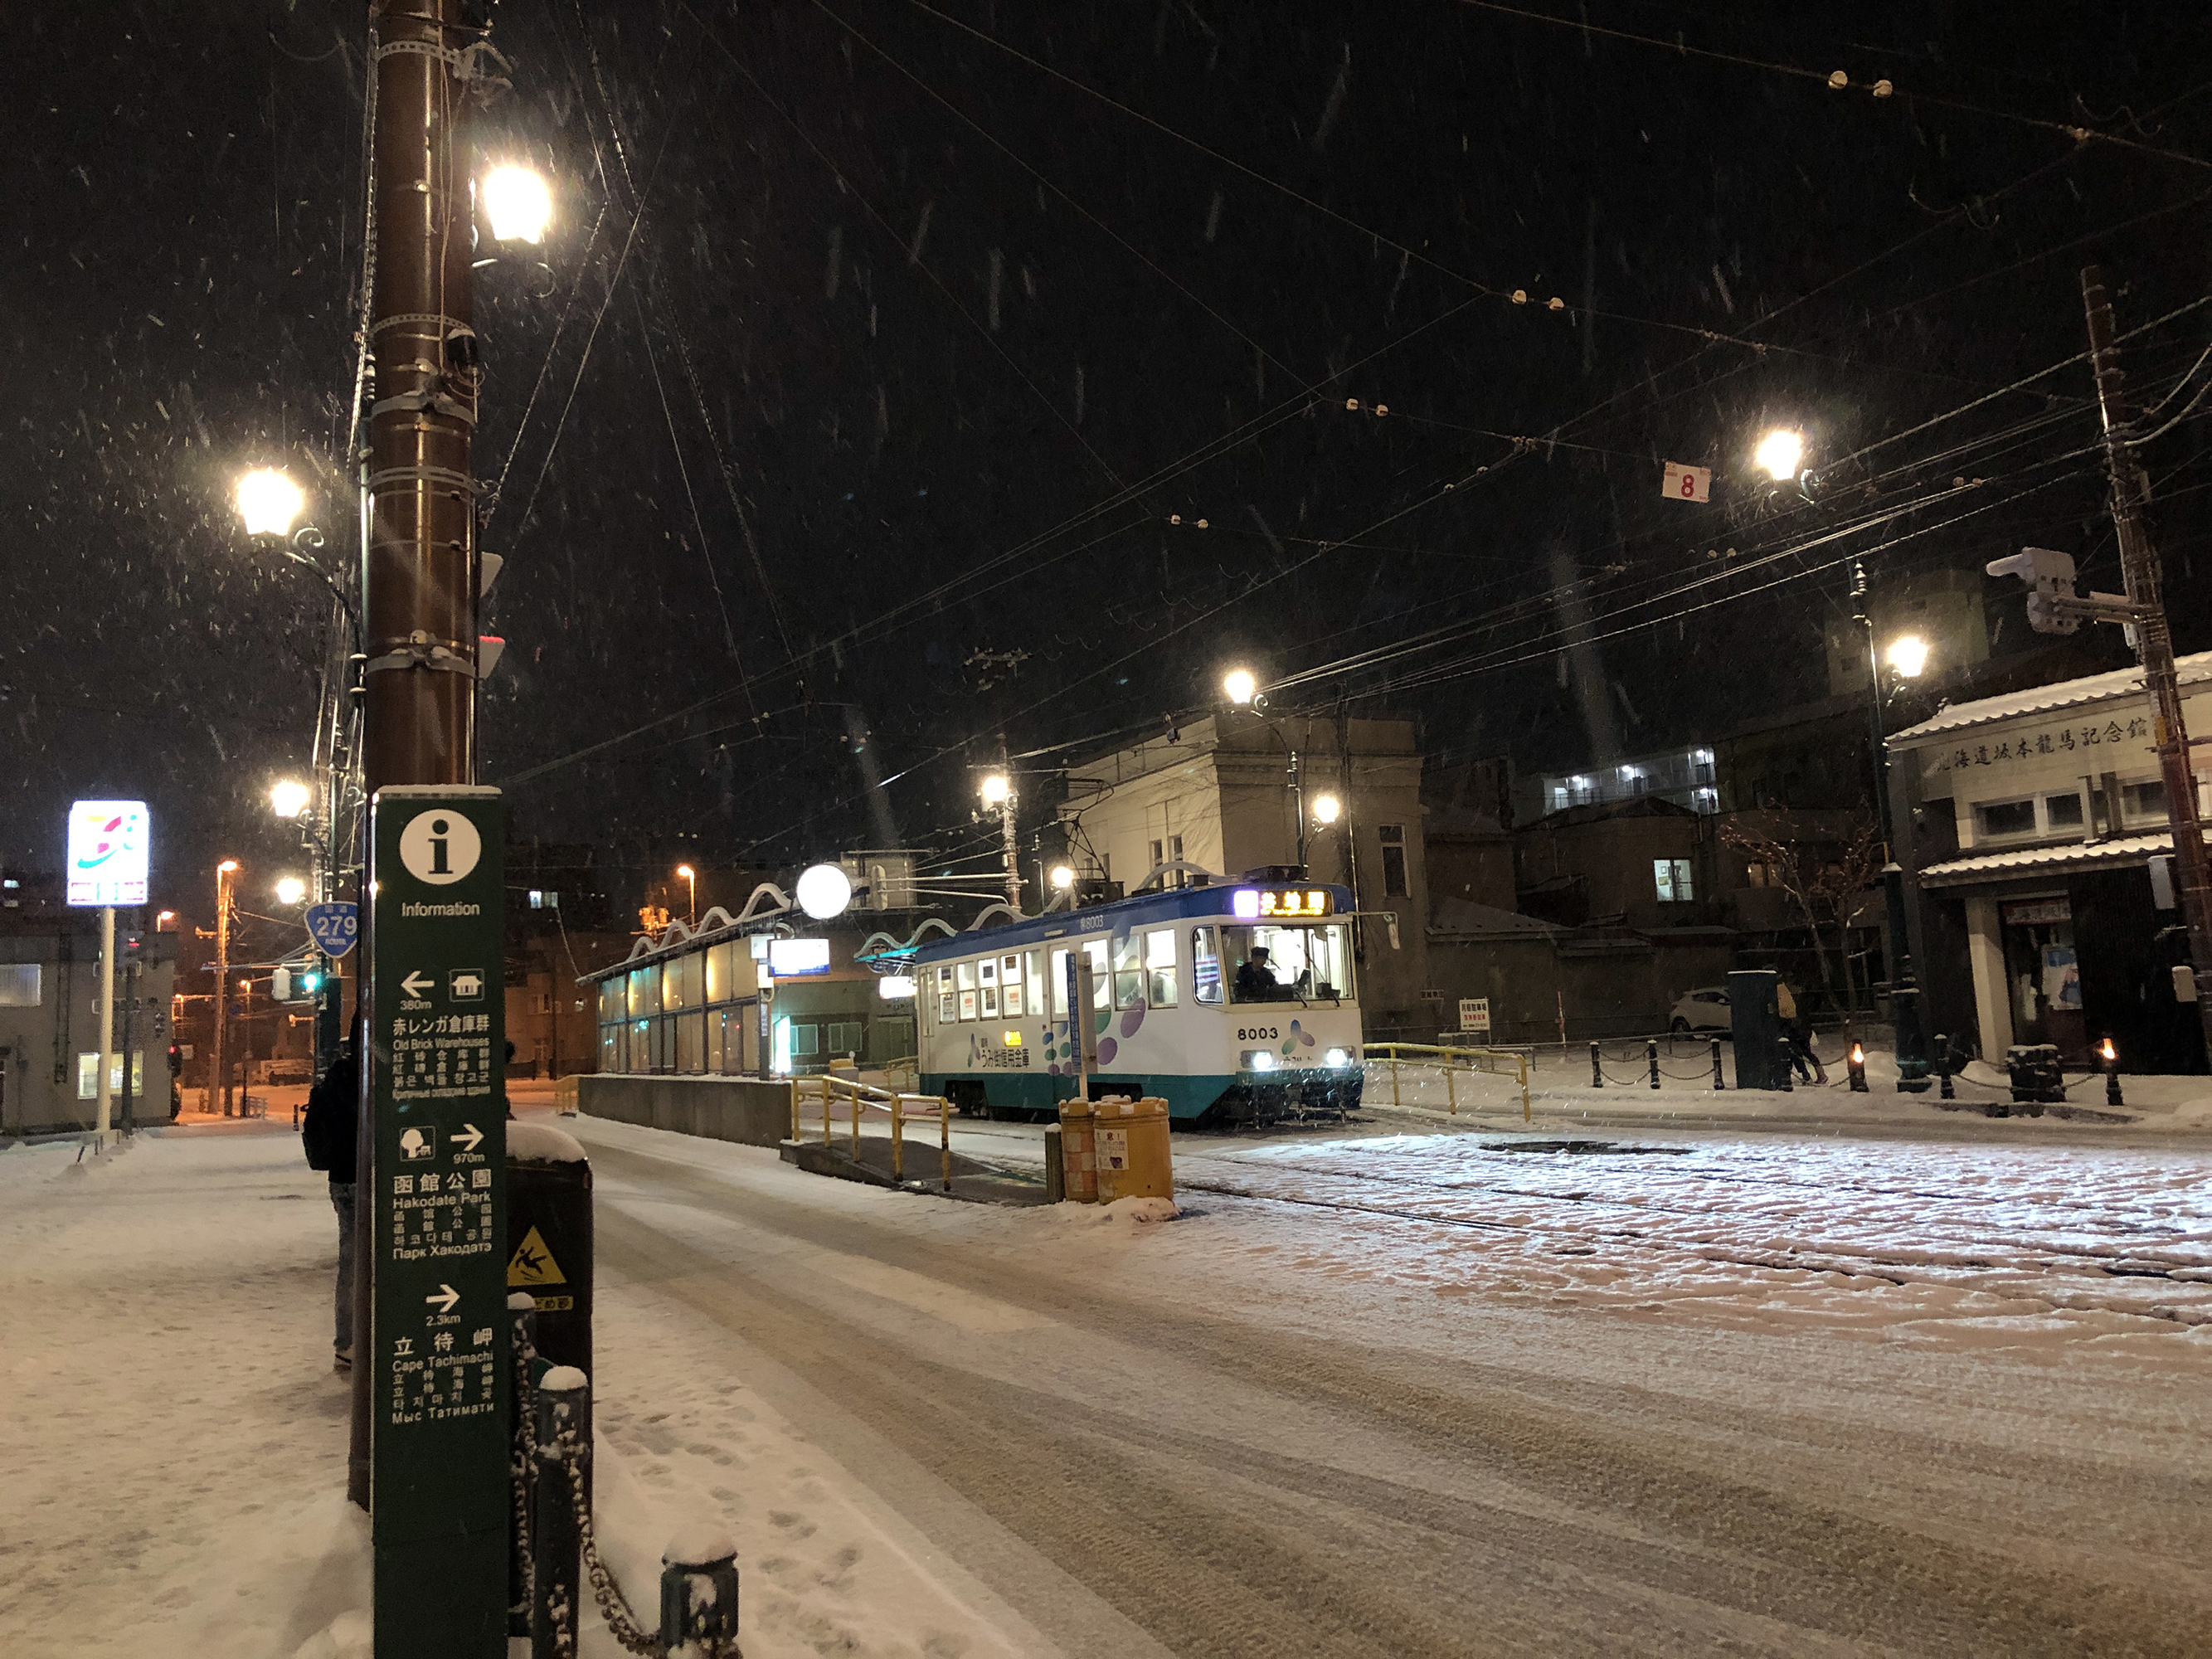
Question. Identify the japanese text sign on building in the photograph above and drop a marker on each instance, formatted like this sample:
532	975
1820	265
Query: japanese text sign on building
110	849
439	1360
2083	741
1475	1015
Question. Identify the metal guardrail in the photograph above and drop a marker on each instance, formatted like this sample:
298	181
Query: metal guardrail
1452	1060
831	1087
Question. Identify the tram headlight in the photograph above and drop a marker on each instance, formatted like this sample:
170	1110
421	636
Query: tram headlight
1336	1057
1257	1059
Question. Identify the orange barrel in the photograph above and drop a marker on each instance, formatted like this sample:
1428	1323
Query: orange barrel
1131	1148
1078	1167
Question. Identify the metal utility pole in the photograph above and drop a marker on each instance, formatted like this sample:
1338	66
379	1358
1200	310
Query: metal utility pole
219	1077
106	1016
2139	567
1904	990
419	550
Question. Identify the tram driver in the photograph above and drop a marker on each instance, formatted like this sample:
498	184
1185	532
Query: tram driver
1256	981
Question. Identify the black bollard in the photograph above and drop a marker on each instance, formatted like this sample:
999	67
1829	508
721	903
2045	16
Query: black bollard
521	1316
1855	1064
1597	1071
564	1442
1944	1091
699	1593
549	1241
2111	1057
1785	1064
1717	1085
1651	1054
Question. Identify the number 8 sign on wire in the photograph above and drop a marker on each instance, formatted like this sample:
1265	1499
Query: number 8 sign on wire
1687	483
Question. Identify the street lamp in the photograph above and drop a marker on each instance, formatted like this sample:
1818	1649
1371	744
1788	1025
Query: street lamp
1062	877
518	204
1908	655
219	1078
289	798
291	891
1327	809
269	503
690	876
1778	453
995	790
1240	687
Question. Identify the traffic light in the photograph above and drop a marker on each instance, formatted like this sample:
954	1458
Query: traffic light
2049	574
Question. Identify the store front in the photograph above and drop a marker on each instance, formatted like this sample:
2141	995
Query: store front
2041	872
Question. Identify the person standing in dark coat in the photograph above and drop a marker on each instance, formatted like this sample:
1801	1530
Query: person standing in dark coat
328	1138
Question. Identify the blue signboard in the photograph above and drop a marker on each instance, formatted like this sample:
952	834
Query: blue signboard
334	925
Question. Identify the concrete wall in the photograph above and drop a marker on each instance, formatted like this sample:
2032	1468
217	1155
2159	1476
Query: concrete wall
1621	989
746	1110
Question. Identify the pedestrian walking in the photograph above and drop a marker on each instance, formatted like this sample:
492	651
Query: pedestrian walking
1810	1069
328	1139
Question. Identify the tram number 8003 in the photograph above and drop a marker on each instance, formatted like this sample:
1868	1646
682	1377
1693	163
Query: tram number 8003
1258	1034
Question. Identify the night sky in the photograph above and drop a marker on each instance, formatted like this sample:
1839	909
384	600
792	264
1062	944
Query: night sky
877	346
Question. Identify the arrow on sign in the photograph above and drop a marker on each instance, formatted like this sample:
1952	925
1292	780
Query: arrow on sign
471	1141
415	985
445	1300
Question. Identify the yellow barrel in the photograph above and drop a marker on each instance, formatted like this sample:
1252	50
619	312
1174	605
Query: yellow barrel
1130	1145
1078	1168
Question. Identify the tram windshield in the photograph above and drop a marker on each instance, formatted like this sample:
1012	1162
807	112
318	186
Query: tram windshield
1269	964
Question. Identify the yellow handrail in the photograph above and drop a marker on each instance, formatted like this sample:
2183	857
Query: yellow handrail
829	1087
1451	1060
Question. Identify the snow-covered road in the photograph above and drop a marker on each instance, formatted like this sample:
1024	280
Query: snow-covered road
1378	1394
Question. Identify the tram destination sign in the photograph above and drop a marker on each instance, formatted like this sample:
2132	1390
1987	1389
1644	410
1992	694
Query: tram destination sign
439	1349
1282	903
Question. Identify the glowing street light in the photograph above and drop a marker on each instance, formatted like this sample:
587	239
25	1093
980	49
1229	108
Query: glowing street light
289	798
519	204
269	503
291	891
824	891
1778	453
692	876
996	789
1327	809
1240	686
1062	877
1908	655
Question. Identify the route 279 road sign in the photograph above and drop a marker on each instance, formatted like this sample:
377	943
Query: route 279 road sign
334	925
439	1498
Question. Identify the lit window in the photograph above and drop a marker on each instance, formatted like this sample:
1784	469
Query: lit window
544	899
1673	879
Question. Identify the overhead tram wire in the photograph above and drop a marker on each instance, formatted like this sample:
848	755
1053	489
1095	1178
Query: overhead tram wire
1436	638
1828	78
915	263
1516	297
621	150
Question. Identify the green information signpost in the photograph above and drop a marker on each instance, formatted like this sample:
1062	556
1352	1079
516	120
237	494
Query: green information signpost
439	1491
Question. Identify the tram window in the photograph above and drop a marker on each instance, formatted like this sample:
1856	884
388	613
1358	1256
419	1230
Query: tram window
967	1004
1160	969
1059	985
1101	986
1033	973
988	971
1205	967
1302	964
947	1004
1010	969
990	1000
1128	971
966	972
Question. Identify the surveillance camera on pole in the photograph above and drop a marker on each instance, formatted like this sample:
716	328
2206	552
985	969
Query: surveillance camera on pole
2053	606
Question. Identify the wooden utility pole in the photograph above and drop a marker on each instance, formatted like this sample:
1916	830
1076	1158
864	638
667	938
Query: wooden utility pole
2139	567
419	603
